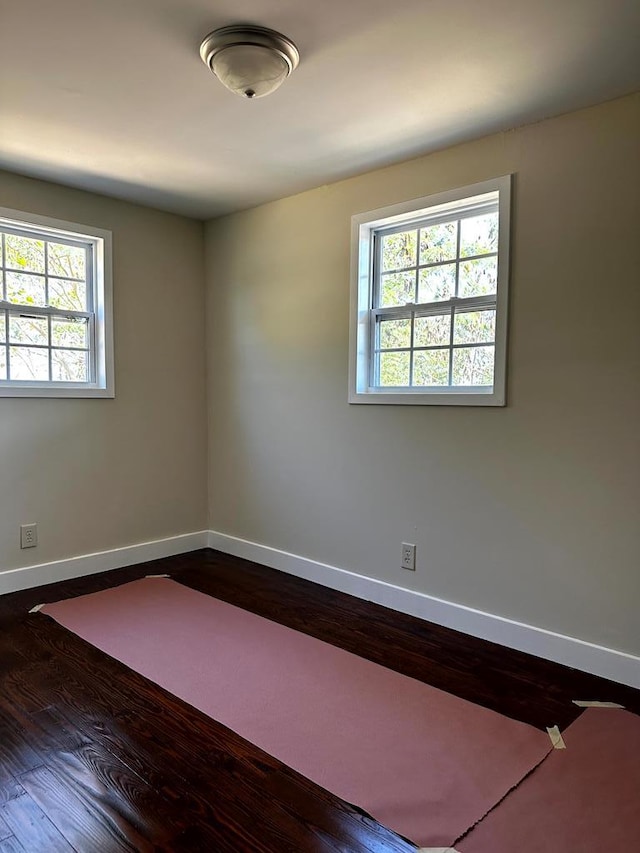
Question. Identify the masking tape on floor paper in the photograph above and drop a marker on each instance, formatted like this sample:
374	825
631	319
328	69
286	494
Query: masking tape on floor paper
556	737
437	850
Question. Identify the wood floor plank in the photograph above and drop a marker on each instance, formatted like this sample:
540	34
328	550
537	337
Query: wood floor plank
16	753
30	826
85	817
12	845
9	787
5	832
90	771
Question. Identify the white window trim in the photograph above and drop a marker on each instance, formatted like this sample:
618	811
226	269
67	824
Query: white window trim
102	283
363	226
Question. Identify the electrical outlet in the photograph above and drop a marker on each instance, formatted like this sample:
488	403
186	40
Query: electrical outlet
408	556
28	535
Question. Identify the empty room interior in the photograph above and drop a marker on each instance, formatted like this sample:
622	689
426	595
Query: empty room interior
320	425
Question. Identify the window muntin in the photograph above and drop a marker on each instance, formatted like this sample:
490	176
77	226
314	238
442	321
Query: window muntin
55	329
429	299
434	302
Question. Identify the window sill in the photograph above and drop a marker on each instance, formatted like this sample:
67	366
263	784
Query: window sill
407	397
55	391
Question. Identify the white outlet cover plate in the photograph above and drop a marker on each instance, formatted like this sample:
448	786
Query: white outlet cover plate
408	556
28	535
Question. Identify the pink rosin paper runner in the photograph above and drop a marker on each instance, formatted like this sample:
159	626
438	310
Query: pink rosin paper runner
419	760
583	799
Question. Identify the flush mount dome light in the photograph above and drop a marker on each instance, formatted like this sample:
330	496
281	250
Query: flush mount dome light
250	61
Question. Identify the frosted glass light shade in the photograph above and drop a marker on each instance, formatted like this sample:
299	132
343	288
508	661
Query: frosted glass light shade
250	70
250	61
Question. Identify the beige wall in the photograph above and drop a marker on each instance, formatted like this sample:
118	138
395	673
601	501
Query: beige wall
99	474
529	511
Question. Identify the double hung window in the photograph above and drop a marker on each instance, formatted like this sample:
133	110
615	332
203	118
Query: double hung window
55	308
429	303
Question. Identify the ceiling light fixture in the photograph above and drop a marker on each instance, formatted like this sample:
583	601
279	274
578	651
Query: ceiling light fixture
250	61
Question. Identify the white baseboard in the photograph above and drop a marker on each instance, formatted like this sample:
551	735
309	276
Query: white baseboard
579	654
89	564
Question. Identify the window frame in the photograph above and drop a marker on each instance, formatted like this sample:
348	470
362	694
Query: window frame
99	313
403	216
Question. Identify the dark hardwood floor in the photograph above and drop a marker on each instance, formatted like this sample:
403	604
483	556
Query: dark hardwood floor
95	758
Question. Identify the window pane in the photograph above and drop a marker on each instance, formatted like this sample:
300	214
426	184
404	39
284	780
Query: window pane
29	330
438	243
478	278
394	333
437	283
24	253
473	366
66	261
24	289
432	331
397	289
479	235
69	333
29	364
431	368
3	327
3	362
69	366
71	295
394	368
474	327
399	250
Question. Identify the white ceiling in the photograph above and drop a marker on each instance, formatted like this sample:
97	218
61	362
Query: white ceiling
111	95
